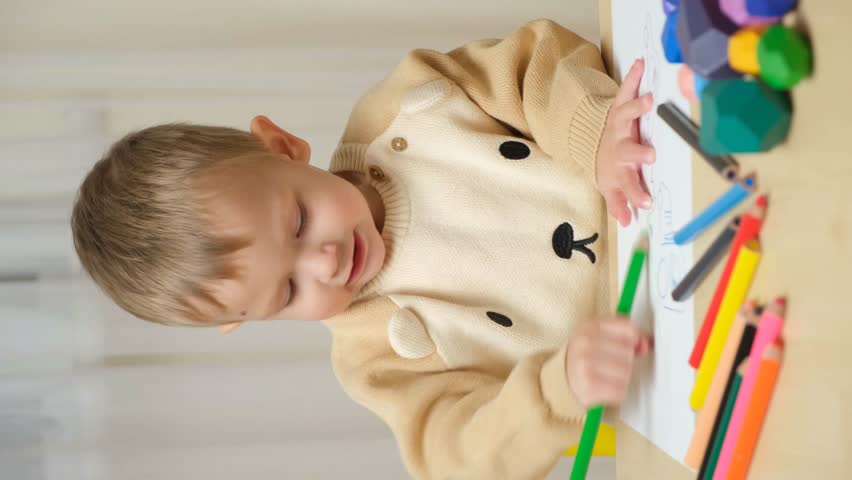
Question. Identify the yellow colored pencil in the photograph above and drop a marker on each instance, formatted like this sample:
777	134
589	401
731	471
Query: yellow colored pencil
735	295
704	425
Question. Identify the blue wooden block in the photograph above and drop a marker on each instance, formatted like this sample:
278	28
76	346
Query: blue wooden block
770	8
700	83
671	46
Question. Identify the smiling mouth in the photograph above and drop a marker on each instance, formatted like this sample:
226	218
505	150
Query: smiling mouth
358	256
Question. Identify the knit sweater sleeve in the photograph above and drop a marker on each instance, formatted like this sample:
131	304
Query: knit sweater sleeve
543	81
462	423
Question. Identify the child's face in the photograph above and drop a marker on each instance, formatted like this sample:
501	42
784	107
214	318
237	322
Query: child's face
315	242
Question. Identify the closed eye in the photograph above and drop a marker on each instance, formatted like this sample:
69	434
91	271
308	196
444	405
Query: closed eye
292	293
303	220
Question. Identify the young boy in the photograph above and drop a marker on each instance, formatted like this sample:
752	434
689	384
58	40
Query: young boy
456	249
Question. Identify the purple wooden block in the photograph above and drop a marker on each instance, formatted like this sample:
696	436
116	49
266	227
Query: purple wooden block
669	6
703	32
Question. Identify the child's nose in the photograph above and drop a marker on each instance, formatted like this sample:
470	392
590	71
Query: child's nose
323	263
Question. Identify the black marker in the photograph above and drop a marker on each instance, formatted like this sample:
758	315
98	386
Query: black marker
743	350
725	165
702	267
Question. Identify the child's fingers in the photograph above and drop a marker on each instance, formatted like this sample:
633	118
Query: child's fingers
636	154
617	356
616	204
630	86
606	391
641	174
635	108
613	375
613	392
644	346
621	332
634	189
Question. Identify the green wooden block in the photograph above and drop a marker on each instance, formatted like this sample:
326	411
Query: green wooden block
785	57
743	116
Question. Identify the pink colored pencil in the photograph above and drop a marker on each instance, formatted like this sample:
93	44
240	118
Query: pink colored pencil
768	330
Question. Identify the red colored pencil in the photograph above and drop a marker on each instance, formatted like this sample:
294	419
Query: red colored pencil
749	228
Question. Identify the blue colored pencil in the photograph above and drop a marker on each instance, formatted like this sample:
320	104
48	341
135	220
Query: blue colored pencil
716	210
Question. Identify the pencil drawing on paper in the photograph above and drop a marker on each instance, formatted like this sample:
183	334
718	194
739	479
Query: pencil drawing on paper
655	406
649	79
668	264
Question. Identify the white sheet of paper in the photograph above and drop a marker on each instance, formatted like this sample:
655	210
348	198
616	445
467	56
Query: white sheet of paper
658	400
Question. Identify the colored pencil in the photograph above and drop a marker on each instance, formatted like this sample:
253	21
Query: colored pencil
735	295
768	330
724	423
730	199
634	271
749	228
725	165
713	414
764	384
727	363
705	264
595	413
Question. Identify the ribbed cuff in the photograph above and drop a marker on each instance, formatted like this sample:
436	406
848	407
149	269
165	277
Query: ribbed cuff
554	388
584	134
349	157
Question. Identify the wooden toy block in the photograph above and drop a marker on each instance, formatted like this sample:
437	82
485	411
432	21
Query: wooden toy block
770	8
742	50
743	116
671	48
738	13
703	32
785	57
669	6
700	83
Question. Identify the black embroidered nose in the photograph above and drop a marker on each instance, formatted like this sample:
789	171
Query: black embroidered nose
564	243
500	319
514	150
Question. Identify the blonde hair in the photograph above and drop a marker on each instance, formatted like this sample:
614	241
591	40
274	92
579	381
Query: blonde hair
138	223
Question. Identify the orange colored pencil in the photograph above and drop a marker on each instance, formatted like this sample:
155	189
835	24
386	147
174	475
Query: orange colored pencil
767	376
707	416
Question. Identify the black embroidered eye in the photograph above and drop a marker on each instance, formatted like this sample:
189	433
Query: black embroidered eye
514	150
500	319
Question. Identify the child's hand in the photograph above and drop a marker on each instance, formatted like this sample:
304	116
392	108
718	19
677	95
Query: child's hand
621	153
600	360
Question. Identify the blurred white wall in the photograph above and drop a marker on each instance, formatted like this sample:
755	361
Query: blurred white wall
85	391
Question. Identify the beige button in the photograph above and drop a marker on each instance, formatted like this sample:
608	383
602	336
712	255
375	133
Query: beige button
376	173
399	144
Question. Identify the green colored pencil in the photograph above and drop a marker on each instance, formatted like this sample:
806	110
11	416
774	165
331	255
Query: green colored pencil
594	415
719	440
631	283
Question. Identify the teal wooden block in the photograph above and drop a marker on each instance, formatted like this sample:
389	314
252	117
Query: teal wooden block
743	116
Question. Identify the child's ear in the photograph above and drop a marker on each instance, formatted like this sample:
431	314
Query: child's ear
229	327
279	140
